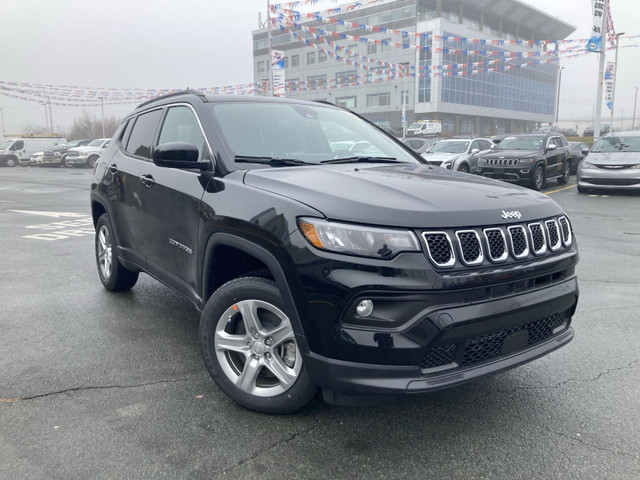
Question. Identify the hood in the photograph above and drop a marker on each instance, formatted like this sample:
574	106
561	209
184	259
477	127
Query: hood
613	158
404	195
84	149
512	153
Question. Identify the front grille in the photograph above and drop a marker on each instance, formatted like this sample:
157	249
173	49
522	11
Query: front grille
440	248
73	154
503	162
490	345
613	181
497	244
615	167
537	235
470	247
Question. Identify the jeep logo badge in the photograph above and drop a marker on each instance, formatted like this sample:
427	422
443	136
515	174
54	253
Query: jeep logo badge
508	215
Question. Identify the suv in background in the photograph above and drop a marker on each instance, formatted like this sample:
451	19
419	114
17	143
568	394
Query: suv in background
56	155
366	275
528	159
458	154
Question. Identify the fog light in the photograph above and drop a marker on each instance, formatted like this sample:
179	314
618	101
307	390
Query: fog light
364	308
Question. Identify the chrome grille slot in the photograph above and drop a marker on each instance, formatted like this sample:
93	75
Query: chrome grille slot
553	235
519	243
497	244
566	231
470	247
537	236
440	248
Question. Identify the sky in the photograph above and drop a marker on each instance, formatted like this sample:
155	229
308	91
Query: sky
179	43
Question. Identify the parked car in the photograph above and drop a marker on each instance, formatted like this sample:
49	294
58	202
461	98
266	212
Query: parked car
420	145
18	150
88	155
366	276
549	129
577	154
613	163
604	129
458	154
570	132
55	155
528	159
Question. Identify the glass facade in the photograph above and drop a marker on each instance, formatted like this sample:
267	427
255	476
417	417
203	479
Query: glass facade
426	55
531	89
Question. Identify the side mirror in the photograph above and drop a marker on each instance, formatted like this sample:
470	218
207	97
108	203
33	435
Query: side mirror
474	151
584	151
552	147
178	155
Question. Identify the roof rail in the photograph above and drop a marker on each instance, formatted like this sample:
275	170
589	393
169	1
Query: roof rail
173	94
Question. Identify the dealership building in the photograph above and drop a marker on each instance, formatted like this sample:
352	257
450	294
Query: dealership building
478	66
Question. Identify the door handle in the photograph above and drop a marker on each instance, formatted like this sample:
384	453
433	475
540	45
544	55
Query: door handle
147	180
113	168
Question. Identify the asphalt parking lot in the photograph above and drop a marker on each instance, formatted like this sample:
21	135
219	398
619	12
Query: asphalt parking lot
101	385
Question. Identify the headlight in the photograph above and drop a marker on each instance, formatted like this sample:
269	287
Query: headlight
636	167
356	239
526	160
584	164
56	154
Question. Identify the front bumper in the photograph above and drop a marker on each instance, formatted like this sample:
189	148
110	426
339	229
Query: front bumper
465	342
81	160
521	175
599	178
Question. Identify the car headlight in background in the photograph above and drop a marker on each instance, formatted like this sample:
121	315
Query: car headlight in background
636	167
357	239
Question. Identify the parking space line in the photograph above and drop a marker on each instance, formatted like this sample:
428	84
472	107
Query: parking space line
559	190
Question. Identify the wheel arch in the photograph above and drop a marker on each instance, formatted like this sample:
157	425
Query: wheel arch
249	258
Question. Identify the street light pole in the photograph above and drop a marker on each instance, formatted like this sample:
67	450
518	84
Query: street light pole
50	115
4	134
46	115
558	95
615	76
633	122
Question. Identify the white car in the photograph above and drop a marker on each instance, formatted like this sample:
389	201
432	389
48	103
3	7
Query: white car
458	154
87	155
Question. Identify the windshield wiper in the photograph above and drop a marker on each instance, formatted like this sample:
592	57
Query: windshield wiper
362	159
274	162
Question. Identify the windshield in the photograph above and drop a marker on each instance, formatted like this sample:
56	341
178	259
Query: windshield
96	143
522	143
449	147
4	145
617	144
310	133
415	126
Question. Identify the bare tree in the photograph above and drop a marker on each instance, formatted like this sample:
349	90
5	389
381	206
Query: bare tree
88	126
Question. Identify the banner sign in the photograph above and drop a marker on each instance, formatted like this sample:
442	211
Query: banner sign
609	75
277	72
595	42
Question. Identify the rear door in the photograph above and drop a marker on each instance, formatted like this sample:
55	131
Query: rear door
123	185
171	205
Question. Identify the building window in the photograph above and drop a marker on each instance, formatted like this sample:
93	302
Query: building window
343	78
295	60
379	100
286	62
386	45
353	49
261	66
322	56
347	102
317	81
311	58
404	97
372	48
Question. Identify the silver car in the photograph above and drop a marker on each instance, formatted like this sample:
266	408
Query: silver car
458	154
612	163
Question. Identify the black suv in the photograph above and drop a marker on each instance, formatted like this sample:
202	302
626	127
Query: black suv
366	274
529	159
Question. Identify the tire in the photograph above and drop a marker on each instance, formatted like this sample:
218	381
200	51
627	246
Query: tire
249	347
63	162
537	181
566	173
113	275
91	161
11	161
464	168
